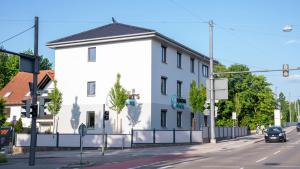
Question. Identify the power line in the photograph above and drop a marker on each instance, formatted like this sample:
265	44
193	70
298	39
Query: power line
16	35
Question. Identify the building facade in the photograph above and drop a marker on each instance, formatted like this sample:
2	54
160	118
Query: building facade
157	68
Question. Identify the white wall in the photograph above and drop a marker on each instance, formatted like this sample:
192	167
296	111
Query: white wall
72	71
173	74
16	111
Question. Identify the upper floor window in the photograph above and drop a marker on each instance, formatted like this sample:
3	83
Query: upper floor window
163	54
205	71
91	88
90	121
92	54
163	85
178	60
179	84
192	62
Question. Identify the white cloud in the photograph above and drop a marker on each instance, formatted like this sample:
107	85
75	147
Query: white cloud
292	41
294	78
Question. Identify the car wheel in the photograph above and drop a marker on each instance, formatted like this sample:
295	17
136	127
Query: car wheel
266	141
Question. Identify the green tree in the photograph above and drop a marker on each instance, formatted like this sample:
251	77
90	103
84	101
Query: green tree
118	95
9	67
2	115
197	97
54	105
45	64
19	126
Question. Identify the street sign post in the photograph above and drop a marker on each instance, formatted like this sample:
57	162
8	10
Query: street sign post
233	121
221	89
82	130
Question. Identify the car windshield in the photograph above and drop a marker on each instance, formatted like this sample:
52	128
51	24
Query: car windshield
274	129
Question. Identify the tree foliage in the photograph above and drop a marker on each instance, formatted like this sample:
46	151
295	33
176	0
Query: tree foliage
55	97
19	126
250	96
2	115
118	95
197	97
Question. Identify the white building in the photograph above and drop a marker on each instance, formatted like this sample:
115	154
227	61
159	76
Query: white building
158	68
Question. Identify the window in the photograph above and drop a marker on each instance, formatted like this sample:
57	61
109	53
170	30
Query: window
179	113
163	54
163	118
179	60
179	84
7	94
92	54
90	119
163	85
192	120
192	65
205	71
91	88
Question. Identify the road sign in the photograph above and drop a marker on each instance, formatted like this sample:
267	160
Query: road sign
82	130
234	115
26	65
221	89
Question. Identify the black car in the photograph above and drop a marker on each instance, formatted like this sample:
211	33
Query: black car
298	127
275	134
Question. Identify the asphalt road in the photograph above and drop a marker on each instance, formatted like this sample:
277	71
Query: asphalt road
257	156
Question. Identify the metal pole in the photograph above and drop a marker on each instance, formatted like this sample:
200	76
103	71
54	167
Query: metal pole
34	95
298	110
103	131
290	110
212	86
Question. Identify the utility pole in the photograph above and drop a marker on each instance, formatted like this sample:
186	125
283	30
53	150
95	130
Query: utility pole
34	94
298	111
212	85
290	110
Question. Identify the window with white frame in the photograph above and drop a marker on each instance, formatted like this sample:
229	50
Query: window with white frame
179	60
163	54
192	63
179	85
205	72
92	54
179	114
90	119
163	118
163	85
91	88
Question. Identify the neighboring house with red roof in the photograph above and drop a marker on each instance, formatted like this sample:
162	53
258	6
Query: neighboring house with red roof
17	90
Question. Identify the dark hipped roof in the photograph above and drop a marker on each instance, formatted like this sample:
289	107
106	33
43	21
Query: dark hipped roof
114	29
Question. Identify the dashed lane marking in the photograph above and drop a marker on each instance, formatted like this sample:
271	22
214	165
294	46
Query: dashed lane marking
169	166
262	159
276	152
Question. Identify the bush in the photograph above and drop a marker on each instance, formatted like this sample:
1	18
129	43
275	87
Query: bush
3	158
19	126
6	124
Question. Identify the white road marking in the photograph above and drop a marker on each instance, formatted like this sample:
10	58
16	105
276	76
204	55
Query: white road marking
169	166
218	166
276	152
262	159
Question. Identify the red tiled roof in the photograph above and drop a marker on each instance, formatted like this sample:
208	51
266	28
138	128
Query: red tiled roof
19	87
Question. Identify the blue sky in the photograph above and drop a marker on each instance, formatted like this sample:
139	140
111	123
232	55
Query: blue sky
246	32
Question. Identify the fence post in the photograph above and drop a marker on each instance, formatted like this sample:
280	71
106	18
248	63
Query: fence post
223	132
131	137
208	129
174	135
57	139
191	136
154	136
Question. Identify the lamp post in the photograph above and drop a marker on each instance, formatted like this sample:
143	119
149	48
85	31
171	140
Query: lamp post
212	85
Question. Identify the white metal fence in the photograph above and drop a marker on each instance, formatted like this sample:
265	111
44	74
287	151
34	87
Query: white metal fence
129	140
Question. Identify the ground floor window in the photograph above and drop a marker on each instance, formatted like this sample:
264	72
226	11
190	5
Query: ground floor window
90	119
179	114
163	118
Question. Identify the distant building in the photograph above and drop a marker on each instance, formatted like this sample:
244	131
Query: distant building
152	65
17	91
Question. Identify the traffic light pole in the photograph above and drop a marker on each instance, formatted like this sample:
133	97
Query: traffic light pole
103	131
34	95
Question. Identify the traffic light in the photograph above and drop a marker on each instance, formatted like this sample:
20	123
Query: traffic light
285	70
26	107
42	107
106	115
